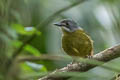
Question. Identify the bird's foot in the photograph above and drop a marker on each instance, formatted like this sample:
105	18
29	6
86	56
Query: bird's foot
73	61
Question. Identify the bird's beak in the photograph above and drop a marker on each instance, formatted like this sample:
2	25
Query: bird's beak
58	24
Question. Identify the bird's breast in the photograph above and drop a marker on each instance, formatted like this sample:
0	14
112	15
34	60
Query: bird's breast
76	43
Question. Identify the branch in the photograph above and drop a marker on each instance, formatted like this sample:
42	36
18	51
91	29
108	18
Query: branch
105	56
42	57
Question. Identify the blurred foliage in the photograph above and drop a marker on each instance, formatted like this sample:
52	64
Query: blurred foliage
26	30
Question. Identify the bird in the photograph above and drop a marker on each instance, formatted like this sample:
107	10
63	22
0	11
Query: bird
75	41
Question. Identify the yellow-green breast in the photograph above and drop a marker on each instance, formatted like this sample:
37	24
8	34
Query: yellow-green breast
77	43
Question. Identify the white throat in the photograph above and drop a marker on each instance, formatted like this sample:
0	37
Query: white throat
68	29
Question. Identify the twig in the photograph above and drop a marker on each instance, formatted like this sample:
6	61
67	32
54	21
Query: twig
42	57
104	56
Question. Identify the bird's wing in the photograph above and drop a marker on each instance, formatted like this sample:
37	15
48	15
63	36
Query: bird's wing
82	45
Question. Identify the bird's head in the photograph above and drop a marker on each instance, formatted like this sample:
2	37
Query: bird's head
67	25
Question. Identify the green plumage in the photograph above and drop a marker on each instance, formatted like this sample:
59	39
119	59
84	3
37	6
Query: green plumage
77	43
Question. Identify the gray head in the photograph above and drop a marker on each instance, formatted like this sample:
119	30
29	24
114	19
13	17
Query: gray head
68	25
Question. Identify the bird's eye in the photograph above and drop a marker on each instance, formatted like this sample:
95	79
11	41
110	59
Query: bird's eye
67	24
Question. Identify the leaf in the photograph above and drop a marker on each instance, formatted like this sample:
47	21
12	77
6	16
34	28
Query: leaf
32	50
32	30
28	48
37	67
25	30
17	43
19	28
26	69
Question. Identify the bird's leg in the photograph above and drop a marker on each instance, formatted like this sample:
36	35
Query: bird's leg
89	56
73	61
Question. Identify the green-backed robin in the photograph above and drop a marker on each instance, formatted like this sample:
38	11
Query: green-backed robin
75	42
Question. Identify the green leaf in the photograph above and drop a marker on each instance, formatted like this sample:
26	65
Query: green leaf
25	30
32	30
37	67
19	28
17	43
27	48
29	67
32	50
26	69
